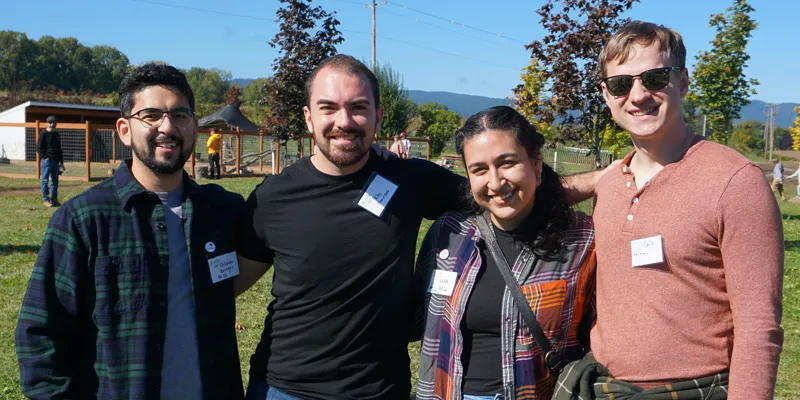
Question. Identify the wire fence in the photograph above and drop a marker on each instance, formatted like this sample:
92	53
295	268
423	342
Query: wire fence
95	151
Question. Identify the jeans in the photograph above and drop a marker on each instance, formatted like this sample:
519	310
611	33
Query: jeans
473	397
213	160
50	170
260	390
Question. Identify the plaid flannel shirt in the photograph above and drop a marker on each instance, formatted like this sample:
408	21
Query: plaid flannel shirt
560	293
93	320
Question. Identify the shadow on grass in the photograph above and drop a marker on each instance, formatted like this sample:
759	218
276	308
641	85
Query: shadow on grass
6	249
792	245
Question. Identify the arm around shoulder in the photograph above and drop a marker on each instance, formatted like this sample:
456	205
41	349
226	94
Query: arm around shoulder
751	243
52	311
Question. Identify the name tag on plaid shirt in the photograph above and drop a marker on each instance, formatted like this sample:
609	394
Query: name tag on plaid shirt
443	282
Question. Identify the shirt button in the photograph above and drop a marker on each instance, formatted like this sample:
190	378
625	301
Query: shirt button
161	227
630	217
164	262
627	184
162	303
624	169
508	319
158	347
635	199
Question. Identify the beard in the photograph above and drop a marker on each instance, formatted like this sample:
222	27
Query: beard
146	153
344	156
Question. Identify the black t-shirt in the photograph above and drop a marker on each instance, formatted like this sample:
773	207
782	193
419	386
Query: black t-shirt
340	322
482	354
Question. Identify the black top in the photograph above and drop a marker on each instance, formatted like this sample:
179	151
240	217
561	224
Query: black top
482	354
49	145
340	321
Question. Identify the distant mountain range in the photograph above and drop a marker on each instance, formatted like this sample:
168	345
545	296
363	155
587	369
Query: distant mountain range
466	105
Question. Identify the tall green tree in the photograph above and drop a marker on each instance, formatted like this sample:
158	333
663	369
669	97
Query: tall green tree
254	100
439	124
529	99
209	85
17	60
394	99
576	32
109	67
720	87
307	36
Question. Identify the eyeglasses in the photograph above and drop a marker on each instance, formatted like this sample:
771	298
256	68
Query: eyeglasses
654	79
153	117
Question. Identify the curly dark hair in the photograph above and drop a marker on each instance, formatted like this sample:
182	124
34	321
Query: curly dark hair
151	74
543	229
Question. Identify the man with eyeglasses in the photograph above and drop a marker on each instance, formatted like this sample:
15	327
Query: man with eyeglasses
131	294
689	245
49	149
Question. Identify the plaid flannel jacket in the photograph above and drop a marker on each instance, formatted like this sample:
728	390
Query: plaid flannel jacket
93	320
560	293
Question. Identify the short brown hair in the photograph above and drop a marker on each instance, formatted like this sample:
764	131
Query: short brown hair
349	64
643	33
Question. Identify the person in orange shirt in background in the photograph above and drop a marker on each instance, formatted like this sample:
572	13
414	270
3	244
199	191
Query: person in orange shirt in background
214	145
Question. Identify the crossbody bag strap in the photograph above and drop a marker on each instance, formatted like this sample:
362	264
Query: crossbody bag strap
552	359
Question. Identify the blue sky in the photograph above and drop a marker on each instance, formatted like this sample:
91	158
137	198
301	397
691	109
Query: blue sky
429	52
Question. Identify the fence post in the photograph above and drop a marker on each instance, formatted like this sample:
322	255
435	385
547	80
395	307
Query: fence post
192	165
428	150
88	152
114	146
313	144
238	150
261	152
38	159
276	167
302	148
555	158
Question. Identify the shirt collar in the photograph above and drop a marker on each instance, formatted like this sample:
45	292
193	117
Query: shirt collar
128	188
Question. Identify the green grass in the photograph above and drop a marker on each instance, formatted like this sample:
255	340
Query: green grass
24	221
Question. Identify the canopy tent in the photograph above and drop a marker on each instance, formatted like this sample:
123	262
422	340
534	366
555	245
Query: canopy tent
231	116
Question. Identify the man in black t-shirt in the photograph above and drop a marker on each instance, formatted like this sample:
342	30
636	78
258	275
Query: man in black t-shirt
340	229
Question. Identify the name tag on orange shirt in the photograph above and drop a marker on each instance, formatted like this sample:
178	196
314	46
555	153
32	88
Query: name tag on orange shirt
647	251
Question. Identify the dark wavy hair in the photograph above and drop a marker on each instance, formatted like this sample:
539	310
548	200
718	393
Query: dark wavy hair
151	74
543	229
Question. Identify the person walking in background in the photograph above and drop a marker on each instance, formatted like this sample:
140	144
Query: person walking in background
796	174
214	144
406	145
398	147
52	157
777	178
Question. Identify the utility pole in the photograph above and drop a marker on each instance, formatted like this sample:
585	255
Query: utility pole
769	130
374	7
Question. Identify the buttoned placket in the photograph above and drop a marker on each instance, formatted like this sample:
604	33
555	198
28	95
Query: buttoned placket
633	193
510	324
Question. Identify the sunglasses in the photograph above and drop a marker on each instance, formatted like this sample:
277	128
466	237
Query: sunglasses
654	79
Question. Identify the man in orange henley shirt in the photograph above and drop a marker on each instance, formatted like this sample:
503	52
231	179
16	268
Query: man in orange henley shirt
689	237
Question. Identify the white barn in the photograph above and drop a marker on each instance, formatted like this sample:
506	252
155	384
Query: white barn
19	143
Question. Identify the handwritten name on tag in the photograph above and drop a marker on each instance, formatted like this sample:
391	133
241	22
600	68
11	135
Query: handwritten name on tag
223	267
647	251
443	282
377	196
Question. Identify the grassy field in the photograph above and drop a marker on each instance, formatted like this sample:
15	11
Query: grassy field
24	221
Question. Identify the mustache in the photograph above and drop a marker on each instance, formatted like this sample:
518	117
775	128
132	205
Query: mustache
354	131
163	137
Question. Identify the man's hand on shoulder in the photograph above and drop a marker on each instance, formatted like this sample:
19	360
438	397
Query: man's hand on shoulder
581	187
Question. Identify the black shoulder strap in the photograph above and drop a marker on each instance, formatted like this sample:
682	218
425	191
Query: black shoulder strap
551	357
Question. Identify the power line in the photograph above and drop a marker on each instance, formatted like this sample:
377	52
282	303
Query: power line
205	10
417	20
454	22
432	49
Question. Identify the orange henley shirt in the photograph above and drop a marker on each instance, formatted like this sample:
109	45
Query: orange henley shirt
715	302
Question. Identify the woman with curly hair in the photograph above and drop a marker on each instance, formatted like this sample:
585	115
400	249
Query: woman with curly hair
477	343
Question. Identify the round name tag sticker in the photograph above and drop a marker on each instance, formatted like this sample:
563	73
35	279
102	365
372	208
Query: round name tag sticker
210	247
